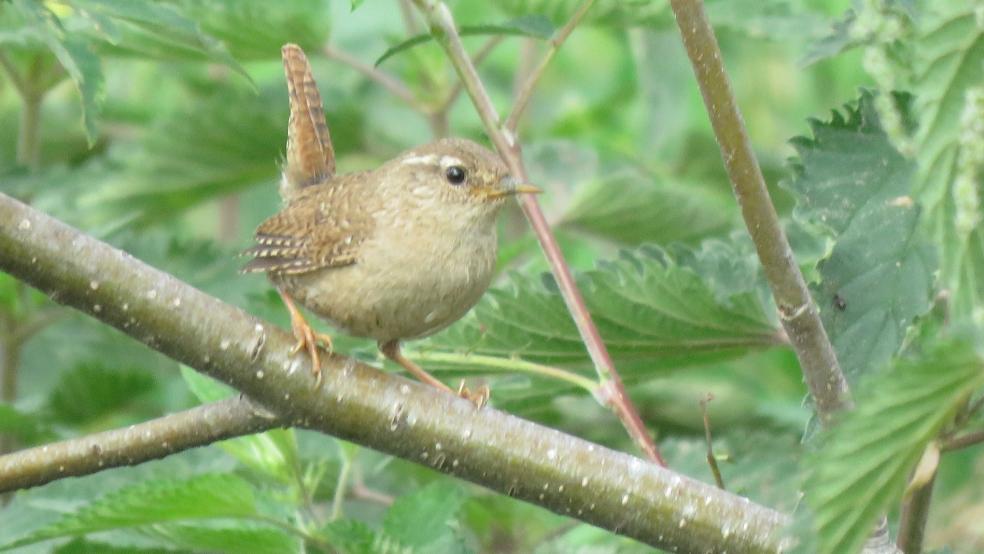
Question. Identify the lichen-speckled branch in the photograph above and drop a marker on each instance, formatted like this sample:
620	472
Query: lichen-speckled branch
133	444
798	313
365	405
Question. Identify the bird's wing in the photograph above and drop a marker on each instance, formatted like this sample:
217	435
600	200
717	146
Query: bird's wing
310	156
318	229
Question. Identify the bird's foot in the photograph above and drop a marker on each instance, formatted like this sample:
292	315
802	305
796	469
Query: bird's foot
479	397
307	338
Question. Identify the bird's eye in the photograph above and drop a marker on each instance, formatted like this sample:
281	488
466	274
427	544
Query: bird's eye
455	174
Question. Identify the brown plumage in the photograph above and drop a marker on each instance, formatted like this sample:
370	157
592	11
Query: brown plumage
310	156
398	252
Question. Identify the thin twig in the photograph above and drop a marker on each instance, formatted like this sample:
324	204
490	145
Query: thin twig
612	390
387	81
134	444
341	487
477	59
711	460
509	364
526	92
962	441
912	522
798	314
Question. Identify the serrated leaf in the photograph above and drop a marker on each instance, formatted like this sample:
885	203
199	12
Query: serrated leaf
863	462
533	26
234	538
879	276
90	391
75	55
256	29
272	452
950	76
423	517
351	536
653	312
632	209
154	502
157	29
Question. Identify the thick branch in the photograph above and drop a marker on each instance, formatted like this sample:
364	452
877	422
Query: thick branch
364	405
134	444
799	315
613	391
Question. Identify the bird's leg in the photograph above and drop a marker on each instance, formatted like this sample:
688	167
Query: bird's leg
391	350
307	338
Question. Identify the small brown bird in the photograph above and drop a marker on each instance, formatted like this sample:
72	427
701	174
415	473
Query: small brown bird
399	252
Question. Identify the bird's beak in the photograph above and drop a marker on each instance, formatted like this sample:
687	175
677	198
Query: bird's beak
508	187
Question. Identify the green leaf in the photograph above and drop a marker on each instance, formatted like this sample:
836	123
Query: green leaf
851	181
273	452
154	502
652	308
156	29
533	26
256	29
950	99
74	54
632	209
351	536
425	516
862	464
27	428
91	390
230	538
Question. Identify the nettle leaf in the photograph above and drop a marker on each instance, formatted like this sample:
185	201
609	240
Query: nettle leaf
256	29
351	536
879	276
232	538
425	516
950	98
197	154
653	308
152	29
533	26
91	390
151	503
273	452
632	209
73	52
862	463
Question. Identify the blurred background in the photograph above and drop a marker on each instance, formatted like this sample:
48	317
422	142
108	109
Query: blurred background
160	128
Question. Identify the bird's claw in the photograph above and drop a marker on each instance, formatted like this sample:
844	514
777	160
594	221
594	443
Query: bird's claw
479	397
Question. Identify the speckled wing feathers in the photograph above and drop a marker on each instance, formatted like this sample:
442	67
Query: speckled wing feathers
310	156
308	234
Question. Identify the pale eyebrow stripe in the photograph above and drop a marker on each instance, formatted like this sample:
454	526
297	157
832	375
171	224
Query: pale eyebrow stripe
429	159
448	161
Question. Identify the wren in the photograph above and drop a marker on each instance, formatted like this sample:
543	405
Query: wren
396	253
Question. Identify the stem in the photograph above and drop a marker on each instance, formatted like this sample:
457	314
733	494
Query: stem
800	318
912	522
314	539
134	444
962	441
711	460
442	25
341	487
510	364
364	405
479	57
526	91
390	83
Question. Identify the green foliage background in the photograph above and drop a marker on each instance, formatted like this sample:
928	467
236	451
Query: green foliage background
161	128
